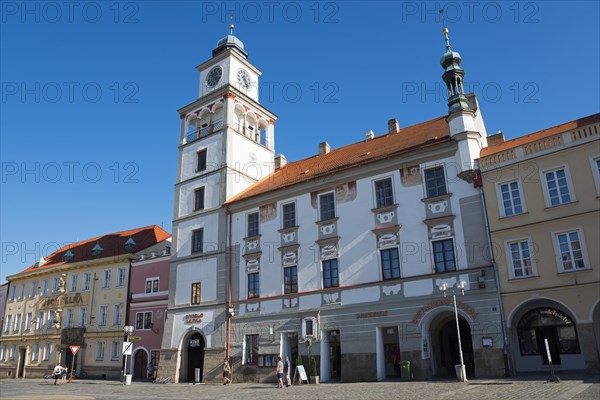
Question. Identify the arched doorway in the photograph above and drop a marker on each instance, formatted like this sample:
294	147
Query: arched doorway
140	365
550	325
194	356
447	353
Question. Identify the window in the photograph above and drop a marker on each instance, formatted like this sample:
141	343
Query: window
7	323
28	319
384	193
13	351
40	320
520	256
35	352
550	323
290	280
251	345
253	224
327	206
289	215
55	284
117	314
199	199
21	291
3	353
17	326
197	240
570	250
50	318
201	160
511	198
87	280
443	255
106	277
151	285
435	182
70	315
253	285
154	357
73	284
13	293
143	320
114	350
557	187
102	315
121	277
196	292
44	287
32	289
330	273
82	316
390	263
46	352
99	351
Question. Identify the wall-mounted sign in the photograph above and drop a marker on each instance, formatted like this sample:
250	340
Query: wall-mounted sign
487	342
71	299
443	302
372	314
193	318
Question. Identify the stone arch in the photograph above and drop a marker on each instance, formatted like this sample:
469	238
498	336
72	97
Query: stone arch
139	371
191	347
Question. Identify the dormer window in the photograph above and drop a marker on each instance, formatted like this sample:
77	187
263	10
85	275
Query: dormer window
97	249
130	243
68	256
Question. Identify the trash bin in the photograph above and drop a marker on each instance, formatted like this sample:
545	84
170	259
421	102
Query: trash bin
460	373
405	371
128	379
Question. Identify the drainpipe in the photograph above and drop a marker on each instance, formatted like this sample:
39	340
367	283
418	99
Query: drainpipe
505	348
228	254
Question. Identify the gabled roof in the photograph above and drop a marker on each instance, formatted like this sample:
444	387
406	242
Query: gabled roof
112	244
532	137
412	138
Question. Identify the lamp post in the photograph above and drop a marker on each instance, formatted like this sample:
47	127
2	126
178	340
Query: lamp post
460	285
128	329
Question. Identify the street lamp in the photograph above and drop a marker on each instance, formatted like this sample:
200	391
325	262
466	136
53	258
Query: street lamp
460	285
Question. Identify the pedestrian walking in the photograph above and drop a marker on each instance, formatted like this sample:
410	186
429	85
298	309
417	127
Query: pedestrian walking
286	370
57	373
226	372
63	374
279	373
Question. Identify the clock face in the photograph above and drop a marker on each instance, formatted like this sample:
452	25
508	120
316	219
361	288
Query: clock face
243	78
214	76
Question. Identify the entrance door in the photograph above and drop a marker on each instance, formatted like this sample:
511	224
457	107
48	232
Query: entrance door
21	369
550	334
195	356
391	351
140	365
335	355
448	349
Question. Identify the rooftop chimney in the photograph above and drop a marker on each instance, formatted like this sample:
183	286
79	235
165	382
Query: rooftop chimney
324	148
393	126
370	135
280	161
495	140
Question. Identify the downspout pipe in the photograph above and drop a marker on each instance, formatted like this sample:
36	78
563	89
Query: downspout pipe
229	254
505	349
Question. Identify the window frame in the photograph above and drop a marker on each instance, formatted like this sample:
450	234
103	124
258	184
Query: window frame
32	290
145	317
328	212
197	199
121	277
546	189
582	248
327	268
102	315
21	292
82	316
444	250
17	325
252	224
392	268
46	352
201	155
388	199
100	349
510	260
500	199
7	323
595	163
106	278
154	284
196	293
69	317
292	286
44	290
436	188
118	313
288	219
114	350
73	282
28	319
198	246
251	346
35	351
87	280
254	279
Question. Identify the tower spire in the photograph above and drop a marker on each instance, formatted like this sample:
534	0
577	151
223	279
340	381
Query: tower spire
453	76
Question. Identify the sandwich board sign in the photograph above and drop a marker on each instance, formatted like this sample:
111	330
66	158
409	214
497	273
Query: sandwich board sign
302	373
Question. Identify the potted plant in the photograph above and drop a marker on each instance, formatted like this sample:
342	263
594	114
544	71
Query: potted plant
314	377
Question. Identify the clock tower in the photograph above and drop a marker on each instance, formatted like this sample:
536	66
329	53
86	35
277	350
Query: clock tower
226	144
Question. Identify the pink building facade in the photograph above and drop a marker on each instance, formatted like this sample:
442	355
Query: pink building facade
149	296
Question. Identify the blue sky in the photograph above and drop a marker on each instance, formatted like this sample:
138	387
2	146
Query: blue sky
89	91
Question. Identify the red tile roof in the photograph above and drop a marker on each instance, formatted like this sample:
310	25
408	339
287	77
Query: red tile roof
532	137
112	243
412	138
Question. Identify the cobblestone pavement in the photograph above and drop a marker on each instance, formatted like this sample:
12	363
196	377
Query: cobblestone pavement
581	388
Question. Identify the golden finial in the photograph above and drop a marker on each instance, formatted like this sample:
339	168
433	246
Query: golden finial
231	29
445	31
